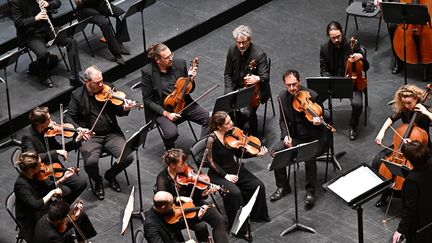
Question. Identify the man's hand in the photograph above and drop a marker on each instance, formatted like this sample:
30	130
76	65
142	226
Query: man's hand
231	177
252	79
263	150
355	57
202	211
128	104
83	133
185	199
43	4
42	15
192	72
316	121
63	153
171	116
396	237
211	189
288	141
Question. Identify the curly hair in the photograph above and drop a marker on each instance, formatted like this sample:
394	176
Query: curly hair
407	91
242	32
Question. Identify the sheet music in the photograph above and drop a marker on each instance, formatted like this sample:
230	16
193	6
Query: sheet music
128	211
247	209
355	183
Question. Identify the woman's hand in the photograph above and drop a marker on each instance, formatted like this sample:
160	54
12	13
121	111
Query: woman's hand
232	178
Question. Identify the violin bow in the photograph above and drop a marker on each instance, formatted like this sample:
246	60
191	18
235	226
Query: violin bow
100	113
199	171
78	229
284	117
197	99
240	162
183	213
62	129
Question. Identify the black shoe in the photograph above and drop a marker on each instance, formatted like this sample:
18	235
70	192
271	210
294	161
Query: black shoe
99	190
353	134
279	193
309	201
396	68
113	183
124	50
47	82
382	201
119	60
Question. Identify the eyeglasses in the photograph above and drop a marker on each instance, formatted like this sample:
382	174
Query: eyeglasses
171	56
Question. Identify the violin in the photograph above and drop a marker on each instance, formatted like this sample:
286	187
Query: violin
73	216
189	209
303	103
188	176
116	97
250	143
255	101
175	102
354	70
56	170
56	129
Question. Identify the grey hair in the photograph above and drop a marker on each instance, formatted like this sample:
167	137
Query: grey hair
242	31
88	74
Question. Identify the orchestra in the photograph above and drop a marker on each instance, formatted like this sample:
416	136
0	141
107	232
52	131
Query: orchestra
48	204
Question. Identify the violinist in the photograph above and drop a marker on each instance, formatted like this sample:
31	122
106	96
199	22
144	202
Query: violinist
175	159
55	226
158	81
86	112
300	130
237	72
333	57
224	170
156	229
33	140
416	195
407	100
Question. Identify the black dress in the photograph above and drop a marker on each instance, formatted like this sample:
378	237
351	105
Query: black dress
221	161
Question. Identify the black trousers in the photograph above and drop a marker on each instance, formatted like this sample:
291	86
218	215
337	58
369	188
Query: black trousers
92	150
357	108
194	113
39	47
216	221
72	188
99	17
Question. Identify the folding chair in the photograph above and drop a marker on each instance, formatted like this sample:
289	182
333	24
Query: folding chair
10	208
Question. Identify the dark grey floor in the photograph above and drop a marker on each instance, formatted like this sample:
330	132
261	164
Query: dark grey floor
291	33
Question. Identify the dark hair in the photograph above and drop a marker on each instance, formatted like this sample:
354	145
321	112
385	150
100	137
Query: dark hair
288	72
58	210
172	156
416	152
28	160
154	51
38	115
334	25
217	120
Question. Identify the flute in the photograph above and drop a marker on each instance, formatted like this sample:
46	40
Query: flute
48	19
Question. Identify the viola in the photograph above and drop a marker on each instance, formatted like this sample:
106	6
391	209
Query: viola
255	101
73	216
354	70
175	102
115	97
250	143
57	170
201	181
176	214
303	103
56	129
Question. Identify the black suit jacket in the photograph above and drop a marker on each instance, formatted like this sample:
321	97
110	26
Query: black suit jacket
23	14
152	89
232	78
157	231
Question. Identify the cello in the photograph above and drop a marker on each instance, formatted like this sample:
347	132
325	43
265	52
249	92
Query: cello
354	70
255	101
418	39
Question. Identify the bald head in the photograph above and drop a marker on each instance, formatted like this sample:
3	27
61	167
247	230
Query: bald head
163	201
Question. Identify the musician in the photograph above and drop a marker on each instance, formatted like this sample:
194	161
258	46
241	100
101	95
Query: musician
83	112
416	194
31	18
223	171
99	11
175	159
238	58
300	130
55	226
158	81
156	229
34	196
333	56
34	141
407	101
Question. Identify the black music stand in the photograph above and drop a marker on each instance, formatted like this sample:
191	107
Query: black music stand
291	156
243	215
5	61
234	100
135	8
401	13
70	31
356	187
131	145
329	88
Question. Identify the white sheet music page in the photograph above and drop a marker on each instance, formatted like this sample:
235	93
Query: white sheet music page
355	183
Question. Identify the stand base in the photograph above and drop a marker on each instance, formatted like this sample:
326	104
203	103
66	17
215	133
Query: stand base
11	141
297	226
139	214
335	159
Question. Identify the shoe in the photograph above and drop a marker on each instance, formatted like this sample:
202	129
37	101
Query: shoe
119	60
47	82
99	190
309	201
353	134
382	201
124	50
279	193
113	183
247	237
396	68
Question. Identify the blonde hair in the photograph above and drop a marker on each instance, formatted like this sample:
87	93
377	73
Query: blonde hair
407	91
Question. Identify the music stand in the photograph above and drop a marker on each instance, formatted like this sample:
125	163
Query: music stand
135	8
5	61
70	31
243	215
127	215
402	13
356	187
234	100
329	88
288	157
131	145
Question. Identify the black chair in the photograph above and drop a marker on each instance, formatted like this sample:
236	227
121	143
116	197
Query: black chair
357	9
14	157
10	208
269	98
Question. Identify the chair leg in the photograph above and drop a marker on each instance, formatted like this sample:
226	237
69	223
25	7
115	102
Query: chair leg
346	24
272	104
378	34
327	163
92	31
366	106
64	58
88	44
193	132
265	118
355	20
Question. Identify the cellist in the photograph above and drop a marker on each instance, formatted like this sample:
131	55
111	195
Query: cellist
407	101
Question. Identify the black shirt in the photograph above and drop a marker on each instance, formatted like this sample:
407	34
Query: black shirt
104	124
168	82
